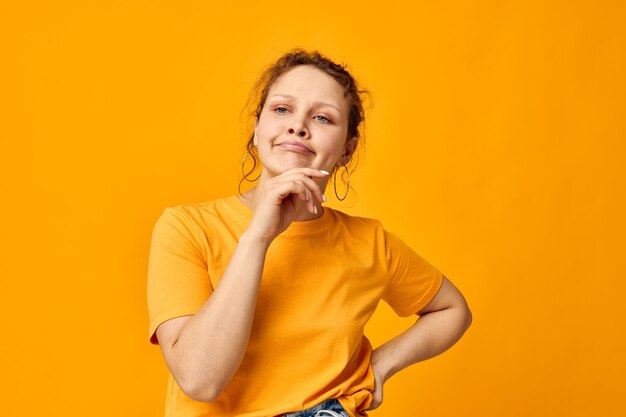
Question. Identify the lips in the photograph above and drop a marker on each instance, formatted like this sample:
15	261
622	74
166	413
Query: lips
295	146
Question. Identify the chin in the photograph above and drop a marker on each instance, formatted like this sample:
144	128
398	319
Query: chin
287	165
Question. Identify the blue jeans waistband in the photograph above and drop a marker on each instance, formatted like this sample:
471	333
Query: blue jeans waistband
333	405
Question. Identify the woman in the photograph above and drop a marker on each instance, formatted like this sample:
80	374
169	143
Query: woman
259	301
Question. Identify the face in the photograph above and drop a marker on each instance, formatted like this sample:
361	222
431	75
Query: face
304	123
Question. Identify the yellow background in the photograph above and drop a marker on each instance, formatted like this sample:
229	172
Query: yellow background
495	147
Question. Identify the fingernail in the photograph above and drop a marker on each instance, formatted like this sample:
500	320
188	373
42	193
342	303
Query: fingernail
324	172
323	198
315	209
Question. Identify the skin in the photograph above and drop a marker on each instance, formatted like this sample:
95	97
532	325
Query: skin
303	124
301	135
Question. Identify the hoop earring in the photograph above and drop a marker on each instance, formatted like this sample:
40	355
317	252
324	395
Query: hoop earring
243	172
347	185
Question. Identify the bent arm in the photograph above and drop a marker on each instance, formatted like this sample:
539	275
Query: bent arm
442	323
204	351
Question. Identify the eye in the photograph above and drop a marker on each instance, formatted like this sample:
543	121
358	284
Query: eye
280	110
323	119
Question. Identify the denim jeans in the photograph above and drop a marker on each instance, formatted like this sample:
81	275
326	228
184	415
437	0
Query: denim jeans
329	408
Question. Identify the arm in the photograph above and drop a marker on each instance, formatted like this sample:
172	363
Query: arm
442	323
204	351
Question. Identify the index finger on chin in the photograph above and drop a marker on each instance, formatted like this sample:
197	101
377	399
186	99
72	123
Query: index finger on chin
320	173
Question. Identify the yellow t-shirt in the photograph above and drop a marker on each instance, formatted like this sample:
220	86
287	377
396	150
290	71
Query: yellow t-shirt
322	281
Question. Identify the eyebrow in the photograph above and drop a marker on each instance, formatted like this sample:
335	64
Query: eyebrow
316	103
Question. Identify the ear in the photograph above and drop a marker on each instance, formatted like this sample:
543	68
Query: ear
255	141
348	150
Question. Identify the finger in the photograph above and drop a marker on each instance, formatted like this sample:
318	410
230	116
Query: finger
311	172
281	190
311	185
297	189
306	195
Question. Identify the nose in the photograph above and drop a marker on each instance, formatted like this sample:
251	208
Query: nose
298	129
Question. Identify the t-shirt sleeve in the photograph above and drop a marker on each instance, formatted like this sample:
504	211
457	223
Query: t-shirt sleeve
178	281
413	281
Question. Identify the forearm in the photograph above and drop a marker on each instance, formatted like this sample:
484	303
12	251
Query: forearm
431	335
213	342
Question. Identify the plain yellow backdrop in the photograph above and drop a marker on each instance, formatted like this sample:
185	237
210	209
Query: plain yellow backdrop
495	147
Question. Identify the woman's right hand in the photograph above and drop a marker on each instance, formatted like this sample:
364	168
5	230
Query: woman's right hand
276	201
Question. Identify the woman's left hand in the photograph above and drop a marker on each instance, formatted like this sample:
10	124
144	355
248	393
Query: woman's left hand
379	381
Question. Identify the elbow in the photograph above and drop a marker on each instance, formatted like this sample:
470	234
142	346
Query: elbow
197	381
200	391
465	312
199	395
468	317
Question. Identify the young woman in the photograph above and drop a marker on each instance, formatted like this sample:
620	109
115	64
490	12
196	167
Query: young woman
258	301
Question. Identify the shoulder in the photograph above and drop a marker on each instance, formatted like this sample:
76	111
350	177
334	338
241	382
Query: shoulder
361	228
368	226
197	213
193	210
210	223
187	220
341	217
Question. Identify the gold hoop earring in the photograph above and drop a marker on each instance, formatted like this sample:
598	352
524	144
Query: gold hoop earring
347	185
243	172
